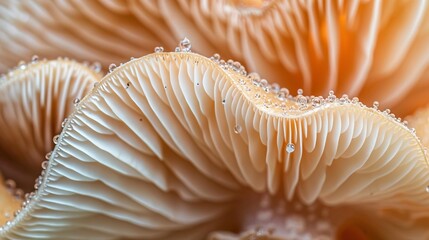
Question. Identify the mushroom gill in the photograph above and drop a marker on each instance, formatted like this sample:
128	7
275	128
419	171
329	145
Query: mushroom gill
179	146
34	100
371	49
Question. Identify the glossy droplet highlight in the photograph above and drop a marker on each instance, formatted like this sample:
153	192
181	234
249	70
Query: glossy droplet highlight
34	58
55	139
331	97
237	129
112	67
45	164
96	67
76	101
48	155
215	57
290	147
63	124
10	184
185	45
159	49
22	65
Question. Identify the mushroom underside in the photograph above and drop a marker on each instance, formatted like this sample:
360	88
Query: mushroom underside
177	146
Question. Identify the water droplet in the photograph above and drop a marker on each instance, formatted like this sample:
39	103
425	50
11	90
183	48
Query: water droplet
275	88
331	97
243	71
185	45
427	189
22	65
29	196
283	94
300	91
302	101
376	104
215	57
255	78
10	184
223	101
16	213
45	164
355	100
76	101
290	147
159	49
236	66
55	139
63	124
34	58
223	64
96	66
48	155
177	49
19	193
237	129
316	102
128	85
112	67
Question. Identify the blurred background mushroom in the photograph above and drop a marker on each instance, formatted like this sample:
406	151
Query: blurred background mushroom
371	49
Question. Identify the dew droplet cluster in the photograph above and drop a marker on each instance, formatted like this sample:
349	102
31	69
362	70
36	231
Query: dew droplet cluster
279	101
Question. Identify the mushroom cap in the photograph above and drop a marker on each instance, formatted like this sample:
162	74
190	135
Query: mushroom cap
168	144
34	100
371	49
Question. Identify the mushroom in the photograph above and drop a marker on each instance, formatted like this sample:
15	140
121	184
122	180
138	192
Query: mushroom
371	49
34	100
178	146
